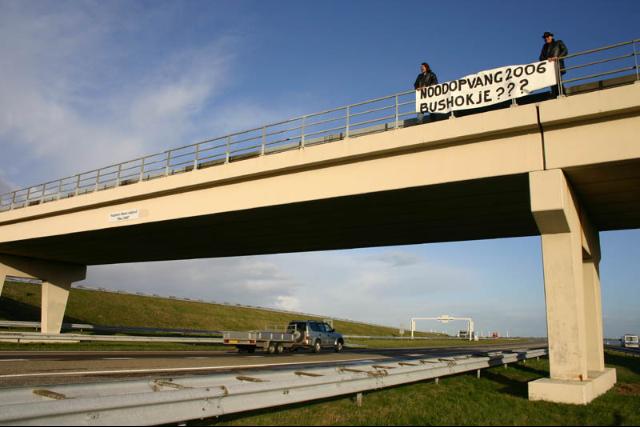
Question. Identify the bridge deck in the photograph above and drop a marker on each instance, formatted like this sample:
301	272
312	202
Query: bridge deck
459	179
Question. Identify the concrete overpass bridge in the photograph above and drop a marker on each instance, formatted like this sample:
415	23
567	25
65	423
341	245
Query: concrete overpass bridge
563	169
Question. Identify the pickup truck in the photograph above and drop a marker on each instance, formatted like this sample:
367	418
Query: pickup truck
308	334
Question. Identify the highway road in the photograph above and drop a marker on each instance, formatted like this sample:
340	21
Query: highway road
31	368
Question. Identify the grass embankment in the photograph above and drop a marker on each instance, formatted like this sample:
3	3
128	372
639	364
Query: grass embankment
499	397
21	301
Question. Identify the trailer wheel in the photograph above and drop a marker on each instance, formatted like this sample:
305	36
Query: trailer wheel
280	348
271	348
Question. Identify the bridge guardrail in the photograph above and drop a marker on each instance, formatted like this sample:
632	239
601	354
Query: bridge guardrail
374	115
164	401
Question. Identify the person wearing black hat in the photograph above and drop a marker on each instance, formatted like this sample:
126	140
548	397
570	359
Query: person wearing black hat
424	79
554	50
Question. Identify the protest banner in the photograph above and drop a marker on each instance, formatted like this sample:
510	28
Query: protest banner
486	88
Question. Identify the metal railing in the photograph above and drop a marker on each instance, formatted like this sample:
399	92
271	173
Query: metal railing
375	115
167	400
31	337
588	66
632	351
83	327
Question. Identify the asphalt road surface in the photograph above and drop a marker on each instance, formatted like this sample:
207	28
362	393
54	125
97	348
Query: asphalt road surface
31	368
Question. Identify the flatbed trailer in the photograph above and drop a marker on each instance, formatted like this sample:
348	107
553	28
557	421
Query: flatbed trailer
271	342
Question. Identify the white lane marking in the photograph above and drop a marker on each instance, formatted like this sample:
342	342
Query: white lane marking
197	368
117	358
415	355
13	360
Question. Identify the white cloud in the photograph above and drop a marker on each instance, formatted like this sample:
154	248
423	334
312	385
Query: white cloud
288	303
5	187
372	287
245	280
337	283
70	101
396	258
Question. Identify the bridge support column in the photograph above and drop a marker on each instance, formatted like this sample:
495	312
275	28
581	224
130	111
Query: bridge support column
56	281
571	255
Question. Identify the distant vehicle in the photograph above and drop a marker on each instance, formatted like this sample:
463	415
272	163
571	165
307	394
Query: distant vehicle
630	341
463	334
299	334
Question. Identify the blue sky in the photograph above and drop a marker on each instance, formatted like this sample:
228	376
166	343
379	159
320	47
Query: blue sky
84	84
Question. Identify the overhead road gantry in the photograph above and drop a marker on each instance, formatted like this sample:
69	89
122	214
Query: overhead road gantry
445	318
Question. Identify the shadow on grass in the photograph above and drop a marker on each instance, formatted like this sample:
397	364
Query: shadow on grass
630	363
266	411
516	388
11	309
526	368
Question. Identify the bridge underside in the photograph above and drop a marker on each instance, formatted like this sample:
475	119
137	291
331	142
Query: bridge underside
479	209
467	210
610	192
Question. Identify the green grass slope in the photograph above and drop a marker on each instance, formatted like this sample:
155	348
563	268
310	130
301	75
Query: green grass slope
21	301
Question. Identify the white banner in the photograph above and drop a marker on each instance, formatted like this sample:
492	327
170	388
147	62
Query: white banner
486	88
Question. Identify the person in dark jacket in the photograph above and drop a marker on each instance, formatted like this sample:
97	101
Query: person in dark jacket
554	50
424	79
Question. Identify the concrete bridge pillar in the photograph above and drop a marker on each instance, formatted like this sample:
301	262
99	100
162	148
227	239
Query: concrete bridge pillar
571	256
56	281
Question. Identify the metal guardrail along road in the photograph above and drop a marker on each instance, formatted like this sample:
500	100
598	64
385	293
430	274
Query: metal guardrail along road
375	115
31	337
631	351
10	324
163	401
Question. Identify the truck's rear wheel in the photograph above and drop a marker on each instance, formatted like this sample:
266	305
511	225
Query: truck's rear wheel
271	348
317	346
280	348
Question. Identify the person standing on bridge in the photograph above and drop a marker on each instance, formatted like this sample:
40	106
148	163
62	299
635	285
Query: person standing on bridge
554	50
424	79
